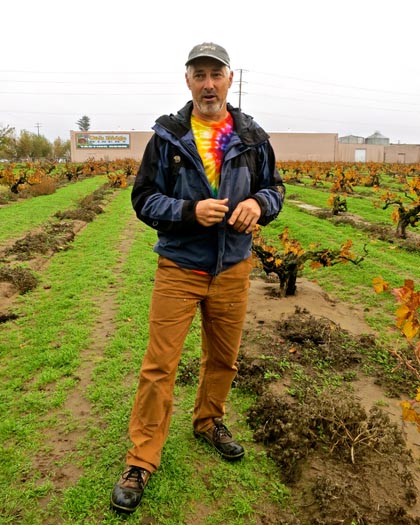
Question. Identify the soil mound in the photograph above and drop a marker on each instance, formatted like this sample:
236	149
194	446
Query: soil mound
344	460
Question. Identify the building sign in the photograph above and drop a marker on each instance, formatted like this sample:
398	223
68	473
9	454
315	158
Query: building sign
102	140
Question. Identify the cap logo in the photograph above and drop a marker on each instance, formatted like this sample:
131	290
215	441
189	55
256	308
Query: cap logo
211	48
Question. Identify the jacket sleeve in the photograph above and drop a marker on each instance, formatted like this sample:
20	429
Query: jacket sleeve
151	194
270	191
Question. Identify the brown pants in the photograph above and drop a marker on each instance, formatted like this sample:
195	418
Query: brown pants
176	295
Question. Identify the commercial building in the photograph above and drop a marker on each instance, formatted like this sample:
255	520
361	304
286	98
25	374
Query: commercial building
321	147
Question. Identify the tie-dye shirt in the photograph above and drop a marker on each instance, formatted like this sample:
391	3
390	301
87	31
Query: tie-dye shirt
212	139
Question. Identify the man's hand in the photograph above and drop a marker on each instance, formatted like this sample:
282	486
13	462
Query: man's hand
245	216
211	211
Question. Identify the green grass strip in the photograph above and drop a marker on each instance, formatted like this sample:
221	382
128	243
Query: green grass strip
363	207
40	352
40	359
19	217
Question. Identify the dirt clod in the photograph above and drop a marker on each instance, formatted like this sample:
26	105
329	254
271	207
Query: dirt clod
342	462
22	278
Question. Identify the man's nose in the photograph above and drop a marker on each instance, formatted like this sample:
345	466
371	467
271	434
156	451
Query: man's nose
208	83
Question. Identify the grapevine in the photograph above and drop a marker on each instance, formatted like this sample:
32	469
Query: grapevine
290	262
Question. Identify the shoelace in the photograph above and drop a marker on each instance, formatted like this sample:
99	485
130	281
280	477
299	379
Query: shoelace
221	431
135	473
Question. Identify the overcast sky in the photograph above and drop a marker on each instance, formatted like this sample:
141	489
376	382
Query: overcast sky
307	65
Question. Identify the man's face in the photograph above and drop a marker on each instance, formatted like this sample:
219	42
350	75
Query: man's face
209	81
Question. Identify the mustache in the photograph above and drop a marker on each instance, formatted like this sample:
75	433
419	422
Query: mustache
205	95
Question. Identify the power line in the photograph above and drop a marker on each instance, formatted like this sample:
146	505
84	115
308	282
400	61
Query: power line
337	104
338	85
273	89
48	93
329	94
89	82
113	73
21	71
59	114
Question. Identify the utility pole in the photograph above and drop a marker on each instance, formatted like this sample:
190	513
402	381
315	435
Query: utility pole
241	92
38	125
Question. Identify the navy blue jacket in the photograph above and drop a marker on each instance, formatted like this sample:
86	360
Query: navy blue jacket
171	180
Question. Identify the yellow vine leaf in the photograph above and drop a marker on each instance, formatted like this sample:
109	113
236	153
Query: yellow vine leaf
404	293
410	329
379	285
402	314
409	413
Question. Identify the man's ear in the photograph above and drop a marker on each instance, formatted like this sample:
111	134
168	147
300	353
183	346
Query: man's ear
187	80
230	78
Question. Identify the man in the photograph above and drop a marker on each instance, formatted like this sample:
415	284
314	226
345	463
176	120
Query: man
207	177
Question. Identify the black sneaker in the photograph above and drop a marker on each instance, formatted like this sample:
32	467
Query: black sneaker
221	439
128	491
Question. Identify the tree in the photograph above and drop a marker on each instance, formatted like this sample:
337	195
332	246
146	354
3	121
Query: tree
61	149
6	134
41	147
32	146
84	123
7	143
24	145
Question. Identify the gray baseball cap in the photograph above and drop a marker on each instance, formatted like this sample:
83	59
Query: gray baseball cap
211	50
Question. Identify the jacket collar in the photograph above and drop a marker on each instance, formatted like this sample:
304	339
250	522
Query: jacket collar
250	133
